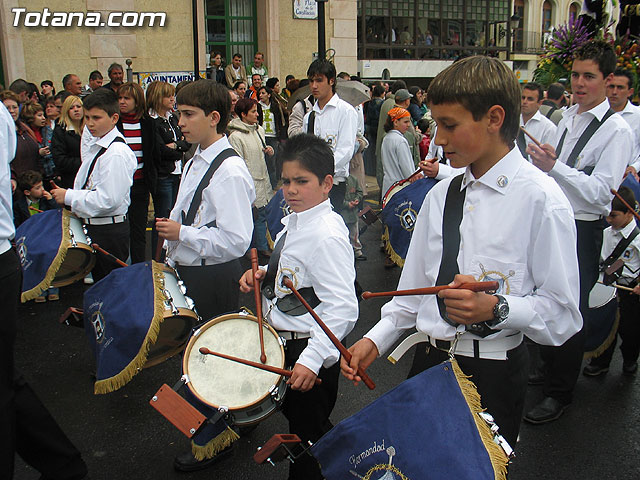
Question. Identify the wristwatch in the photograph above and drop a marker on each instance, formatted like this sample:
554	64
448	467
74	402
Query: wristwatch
500	312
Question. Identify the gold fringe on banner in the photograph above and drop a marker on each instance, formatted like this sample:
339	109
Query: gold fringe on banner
607	342
111	384
215	445
397	259
499	459
55	265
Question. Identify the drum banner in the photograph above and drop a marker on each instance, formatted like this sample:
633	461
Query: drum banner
276	210
634	185
600	328
426	427
122	317
42	242
399	217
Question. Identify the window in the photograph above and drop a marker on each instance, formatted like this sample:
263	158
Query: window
518	41
574	11
546	16
231	28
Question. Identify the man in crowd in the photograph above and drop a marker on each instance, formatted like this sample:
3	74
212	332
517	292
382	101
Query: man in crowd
116	77
552	106
619	91
235	72
256	83
72	84
258	67
95	82
539	126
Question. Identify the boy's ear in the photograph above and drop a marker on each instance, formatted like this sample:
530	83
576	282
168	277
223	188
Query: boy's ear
327	183
215	119
495	116
608	79
114	118
26	192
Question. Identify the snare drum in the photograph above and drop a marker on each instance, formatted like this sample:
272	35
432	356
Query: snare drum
600	322
80	258
249	394
179	319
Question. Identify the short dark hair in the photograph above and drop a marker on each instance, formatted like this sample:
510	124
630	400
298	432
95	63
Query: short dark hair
236	55
478	83
397	85
313	154
209	96
601	53
378	90
534	86
28	179
237	84
243	105
627	194
114	66
344	75
289	77
67	78
18	86
621	72
95	75
323	67
62	95
46	82
424	126
104	99
271	82
555	91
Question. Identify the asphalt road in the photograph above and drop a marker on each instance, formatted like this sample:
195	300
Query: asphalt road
122	437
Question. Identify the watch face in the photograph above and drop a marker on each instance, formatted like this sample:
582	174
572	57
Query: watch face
503	311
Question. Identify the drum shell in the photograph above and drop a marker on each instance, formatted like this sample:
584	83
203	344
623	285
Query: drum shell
80	258
600	320
214	334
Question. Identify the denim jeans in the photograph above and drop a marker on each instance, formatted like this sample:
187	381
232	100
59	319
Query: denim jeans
163	201
259	240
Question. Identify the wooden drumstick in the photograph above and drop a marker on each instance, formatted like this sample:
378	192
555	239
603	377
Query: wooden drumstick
620	287
267	368
31	207
473	286
533	139
633	210
286	281
258	298
112	256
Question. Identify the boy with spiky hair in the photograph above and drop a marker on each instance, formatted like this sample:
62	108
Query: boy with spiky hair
592	150
502	219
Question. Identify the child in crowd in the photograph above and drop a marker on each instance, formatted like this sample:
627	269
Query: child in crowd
397	161
32	114
350	208
210	226
499	220
425	141
31	198
624	232
100	195
314	252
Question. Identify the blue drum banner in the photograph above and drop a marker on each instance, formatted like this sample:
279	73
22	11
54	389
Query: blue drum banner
399	217
42	242
276	210
122	317
427	427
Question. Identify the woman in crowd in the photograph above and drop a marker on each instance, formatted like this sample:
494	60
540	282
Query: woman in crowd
65	144
415	105
33	115
27	148
247	137
274	84
160	102
141	134
274	122
51	111
240	88
217	70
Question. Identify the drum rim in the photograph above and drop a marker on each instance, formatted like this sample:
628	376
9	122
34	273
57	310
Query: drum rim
206	326
182	312
399	183
80	275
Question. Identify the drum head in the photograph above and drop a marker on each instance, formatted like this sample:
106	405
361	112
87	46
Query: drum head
600	295
172	338
78	262
219	382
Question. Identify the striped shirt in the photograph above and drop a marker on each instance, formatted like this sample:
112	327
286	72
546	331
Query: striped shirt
132	132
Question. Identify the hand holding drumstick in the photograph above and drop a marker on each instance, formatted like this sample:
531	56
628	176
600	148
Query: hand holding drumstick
543	156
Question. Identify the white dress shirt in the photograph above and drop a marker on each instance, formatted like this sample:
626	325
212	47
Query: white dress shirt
107	192
631	115
397	161
517	228
445	170
542	129
8	142
608	151
317	253
630	256
336	124
227	200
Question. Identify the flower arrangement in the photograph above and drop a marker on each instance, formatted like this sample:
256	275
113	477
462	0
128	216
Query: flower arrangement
627	52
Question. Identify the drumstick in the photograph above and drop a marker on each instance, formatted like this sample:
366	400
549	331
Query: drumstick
112	256
533	139
286	281
257	296
267	368
31	207
473	286
615	285
633	210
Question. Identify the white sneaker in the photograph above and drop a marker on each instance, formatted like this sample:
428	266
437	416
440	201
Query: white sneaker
88	280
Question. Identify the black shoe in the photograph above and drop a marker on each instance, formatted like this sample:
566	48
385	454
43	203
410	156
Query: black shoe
593	370
361	257
629	368
536	377
188	463
548	410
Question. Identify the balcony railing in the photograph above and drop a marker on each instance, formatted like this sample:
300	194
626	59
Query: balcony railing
528	42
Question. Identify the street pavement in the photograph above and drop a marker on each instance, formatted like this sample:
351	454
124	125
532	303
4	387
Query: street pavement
122	437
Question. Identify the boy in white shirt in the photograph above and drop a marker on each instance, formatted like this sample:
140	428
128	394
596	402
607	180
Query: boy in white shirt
100	193
313	250
500	220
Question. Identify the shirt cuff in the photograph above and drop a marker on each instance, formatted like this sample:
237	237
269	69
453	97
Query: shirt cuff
70	196
188	235
520	314
560	170
384	334
311	358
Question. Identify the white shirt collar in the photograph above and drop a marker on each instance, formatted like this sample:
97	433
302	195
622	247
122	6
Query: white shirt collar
106	140
333	102
500	176
626	231
629	108
598	111
212	151
536	118
295	221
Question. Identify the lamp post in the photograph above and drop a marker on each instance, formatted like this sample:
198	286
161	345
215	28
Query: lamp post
322	43
515	24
